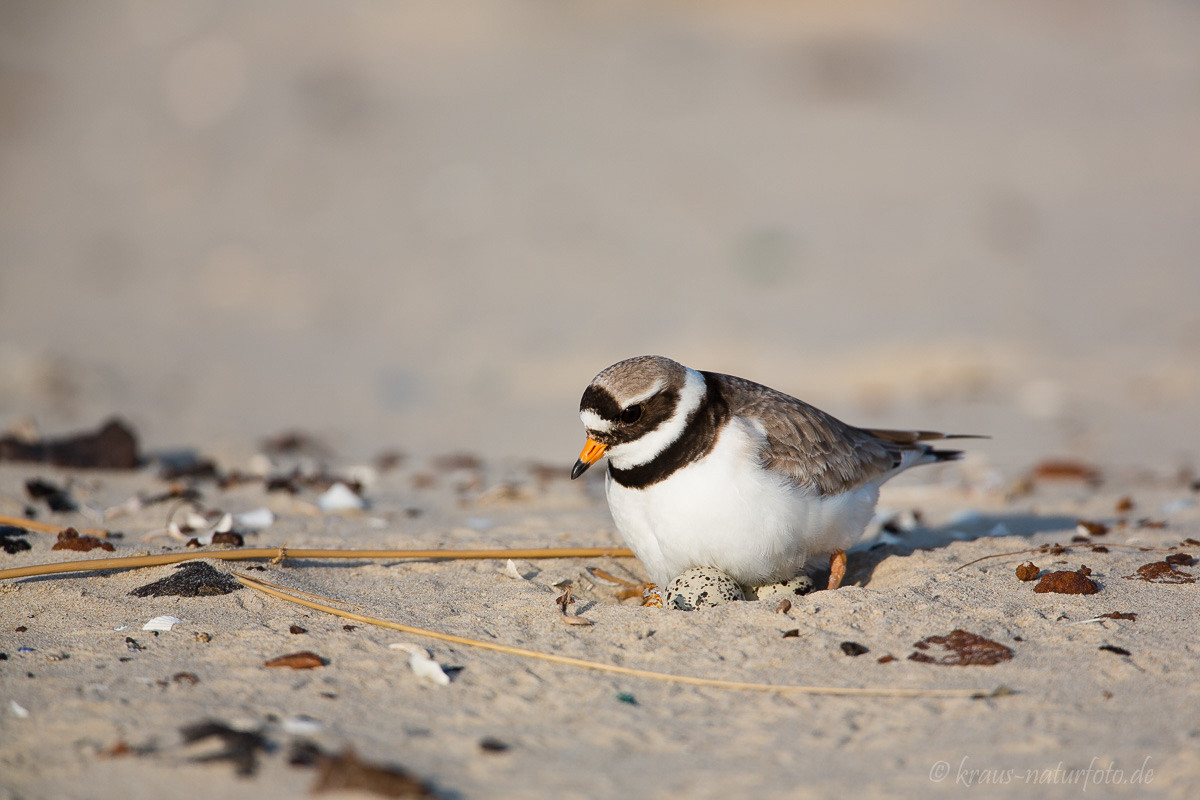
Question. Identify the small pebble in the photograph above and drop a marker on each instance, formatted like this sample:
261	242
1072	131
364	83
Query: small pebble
1027	571
853	649
489	744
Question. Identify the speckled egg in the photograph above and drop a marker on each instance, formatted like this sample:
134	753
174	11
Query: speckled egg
702	587
799	585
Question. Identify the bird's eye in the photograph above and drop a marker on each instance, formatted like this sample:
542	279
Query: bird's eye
631	414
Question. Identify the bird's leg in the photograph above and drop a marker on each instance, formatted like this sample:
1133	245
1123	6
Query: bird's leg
837	568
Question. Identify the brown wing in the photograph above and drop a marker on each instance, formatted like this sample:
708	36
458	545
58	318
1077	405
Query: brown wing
812	447
912	437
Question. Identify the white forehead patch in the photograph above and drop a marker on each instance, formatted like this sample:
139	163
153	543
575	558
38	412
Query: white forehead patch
594	422
644	396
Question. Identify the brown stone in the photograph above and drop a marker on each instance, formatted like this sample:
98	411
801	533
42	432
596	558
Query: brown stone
1066	582
305	659
1027	571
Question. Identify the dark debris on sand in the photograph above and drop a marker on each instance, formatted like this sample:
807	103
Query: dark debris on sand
12	539
961	649
1162	572
241	747
193	579
71	539
54	496
112	446
1067	582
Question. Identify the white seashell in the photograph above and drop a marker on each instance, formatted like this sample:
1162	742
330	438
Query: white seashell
301	725
340	497
19	711
194	521
225	525
163	623
510	569
422	665
255	520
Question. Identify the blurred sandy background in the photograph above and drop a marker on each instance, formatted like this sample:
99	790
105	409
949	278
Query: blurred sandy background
427	225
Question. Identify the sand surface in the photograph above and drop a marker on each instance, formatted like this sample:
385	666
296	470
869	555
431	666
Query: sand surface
423	228
87	697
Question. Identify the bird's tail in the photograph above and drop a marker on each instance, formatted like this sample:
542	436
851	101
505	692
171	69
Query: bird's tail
930	454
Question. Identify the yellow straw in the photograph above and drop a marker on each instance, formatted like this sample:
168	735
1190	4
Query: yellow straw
251	553
636	673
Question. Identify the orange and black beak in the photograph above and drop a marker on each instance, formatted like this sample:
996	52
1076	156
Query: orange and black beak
592	451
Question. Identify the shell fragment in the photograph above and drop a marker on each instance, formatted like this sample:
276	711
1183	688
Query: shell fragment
422	665
163	623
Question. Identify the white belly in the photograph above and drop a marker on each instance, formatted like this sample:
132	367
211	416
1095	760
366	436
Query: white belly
725	512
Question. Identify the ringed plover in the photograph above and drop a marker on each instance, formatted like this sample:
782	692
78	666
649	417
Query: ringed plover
711	470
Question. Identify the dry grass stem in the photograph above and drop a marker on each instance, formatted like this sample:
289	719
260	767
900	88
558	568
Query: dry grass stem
629	671
272	553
